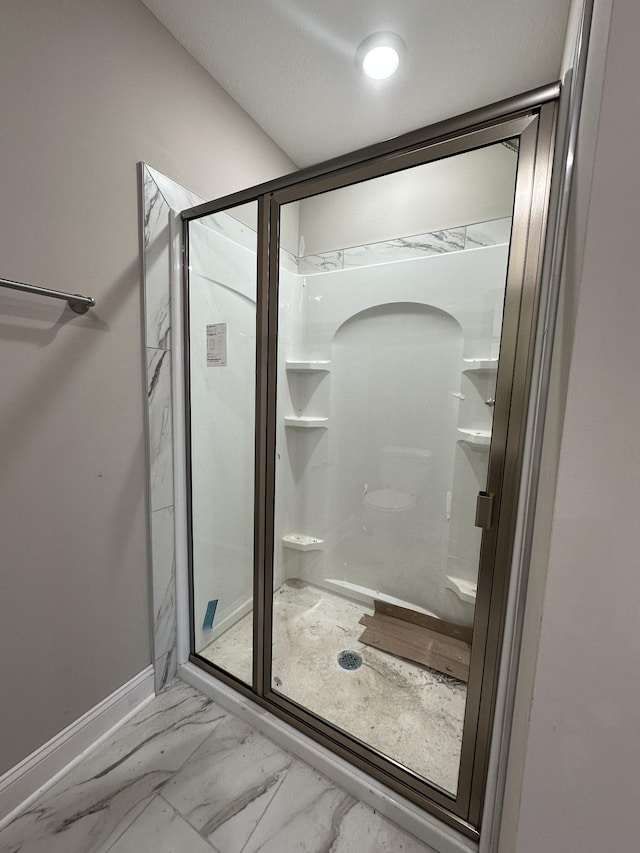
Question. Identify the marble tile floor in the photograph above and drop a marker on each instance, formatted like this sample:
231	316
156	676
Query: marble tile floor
390	703
185	776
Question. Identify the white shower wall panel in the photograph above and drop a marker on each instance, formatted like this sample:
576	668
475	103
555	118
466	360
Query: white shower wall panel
468	285
394	372
458	301
394	368
223	290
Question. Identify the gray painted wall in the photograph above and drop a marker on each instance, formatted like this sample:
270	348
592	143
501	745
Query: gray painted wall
581	779
87	89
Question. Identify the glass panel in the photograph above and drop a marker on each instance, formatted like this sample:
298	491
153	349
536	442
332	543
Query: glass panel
388	346
222	346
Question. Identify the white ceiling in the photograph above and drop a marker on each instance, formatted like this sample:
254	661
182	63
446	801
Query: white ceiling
290	63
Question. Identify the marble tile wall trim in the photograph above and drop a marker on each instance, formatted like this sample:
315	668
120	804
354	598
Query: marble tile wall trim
326	262
420	246
156	265
164	595
492	233
175	195
161	196
234	230
160	427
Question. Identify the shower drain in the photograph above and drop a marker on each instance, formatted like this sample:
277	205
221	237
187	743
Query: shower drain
349	660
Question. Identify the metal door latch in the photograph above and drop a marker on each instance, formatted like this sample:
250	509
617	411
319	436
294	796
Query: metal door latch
484	510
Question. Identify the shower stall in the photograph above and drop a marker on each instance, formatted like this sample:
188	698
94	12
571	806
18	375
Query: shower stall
358	349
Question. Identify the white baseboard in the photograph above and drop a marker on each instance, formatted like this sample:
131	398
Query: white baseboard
38	771
438	836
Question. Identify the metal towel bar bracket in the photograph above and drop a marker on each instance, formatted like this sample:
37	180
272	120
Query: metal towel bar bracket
79	304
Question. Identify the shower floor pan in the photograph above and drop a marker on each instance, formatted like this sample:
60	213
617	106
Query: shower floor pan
405	710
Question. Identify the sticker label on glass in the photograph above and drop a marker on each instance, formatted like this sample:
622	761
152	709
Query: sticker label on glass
217	345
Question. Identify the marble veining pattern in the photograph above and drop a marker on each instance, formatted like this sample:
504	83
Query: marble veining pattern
176	196
156	265
420	246
492	233
92	804
237	232
457	239
326	262
159	829
249	771
161	198
184	776
164	604
160	427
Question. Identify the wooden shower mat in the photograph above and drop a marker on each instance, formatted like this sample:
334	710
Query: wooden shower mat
423	639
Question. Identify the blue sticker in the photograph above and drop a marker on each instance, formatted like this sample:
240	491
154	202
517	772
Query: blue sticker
207	625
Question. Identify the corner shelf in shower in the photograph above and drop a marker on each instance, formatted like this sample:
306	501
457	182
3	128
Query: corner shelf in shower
464	589
477	438
306	422
317	366
302	542
479	364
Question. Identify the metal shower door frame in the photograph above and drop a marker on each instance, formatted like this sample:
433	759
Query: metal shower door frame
532	119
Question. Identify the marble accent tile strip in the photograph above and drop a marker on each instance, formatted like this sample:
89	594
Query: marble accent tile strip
492	233
161	197
160	427
164	595
326	262
156	265
420	246
457	239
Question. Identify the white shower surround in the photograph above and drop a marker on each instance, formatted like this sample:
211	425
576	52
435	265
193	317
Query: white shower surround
456	297
376	262
222	291
222	260
318	495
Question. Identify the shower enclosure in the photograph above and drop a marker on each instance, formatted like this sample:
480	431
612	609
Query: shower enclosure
358	354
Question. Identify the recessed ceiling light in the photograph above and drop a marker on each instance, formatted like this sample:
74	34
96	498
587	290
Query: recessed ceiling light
379	55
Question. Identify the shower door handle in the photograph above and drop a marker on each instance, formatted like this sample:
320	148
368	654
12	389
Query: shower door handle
484	510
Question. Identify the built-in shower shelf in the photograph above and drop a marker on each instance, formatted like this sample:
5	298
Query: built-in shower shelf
308	365
302	542
476	438
306	423
484	364
464	589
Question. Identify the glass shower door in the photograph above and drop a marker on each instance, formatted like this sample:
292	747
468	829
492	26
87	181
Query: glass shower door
222	366
358	376
387	361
